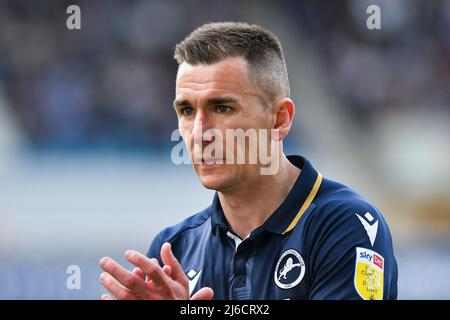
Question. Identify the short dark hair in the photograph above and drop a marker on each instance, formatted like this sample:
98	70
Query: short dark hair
262	50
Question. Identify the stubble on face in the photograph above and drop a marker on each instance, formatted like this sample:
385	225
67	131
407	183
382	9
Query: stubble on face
199	84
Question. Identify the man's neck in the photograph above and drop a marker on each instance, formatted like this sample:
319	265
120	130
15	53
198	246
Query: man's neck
248	207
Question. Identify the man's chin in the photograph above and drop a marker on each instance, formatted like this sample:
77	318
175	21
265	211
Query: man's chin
215	182
212	184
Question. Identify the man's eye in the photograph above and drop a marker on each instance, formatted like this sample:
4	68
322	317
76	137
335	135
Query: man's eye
223	109
187	111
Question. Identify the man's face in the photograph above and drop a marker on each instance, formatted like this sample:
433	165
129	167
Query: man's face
219	96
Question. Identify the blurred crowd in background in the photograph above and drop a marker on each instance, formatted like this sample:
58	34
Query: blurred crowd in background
411	55
373	111
111	85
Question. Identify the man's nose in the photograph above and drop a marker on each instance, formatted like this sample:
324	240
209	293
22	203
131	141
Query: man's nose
201	124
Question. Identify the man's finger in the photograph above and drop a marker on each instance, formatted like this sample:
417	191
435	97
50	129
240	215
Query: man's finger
150	266
167	270
204	293
106	297
169	259
130	280
139	273
115	288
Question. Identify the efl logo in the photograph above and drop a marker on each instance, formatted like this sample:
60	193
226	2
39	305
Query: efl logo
378	261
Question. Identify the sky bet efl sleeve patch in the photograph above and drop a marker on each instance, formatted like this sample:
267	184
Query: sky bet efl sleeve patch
369	274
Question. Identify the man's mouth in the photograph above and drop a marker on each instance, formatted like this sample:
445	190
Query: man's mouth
209	162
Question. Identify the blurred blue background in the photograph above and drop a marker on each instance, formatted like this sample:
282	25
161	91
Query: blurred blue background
86	118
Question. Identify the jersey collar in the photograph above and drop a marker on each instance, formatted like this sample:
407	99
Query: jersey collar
286	217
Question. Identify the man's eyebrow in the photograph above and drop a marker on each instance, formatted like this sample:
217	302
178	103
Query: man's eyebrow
216	101
181	103
212	101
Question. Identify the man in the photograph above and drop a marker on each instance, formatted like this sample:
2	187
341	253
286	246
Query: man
290	234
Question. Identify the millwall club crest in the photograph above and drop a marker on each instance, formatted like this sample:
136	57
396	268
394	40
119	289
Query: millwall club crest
290	269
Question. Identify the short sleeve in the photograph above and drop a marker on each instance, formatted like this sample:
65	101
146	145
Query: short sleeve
351	255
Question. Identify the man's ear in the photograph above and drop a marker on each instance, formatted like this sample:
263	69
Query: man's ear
284	114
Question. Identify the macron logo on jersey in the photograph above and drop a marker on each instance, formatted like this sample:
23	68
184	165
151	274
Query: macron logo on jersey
371	228
193	277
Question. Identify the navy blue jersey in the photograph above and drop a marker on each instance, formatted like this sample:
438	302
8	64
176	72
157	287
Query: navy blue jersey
325	241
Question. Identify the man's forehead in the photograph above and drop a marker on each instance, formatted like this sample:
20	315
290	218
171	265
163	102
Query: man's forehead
229	72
